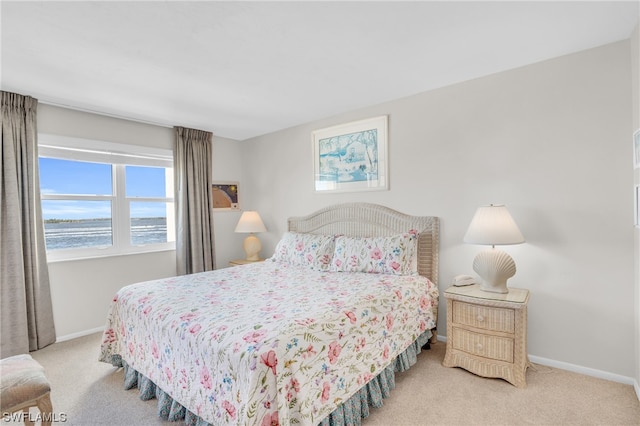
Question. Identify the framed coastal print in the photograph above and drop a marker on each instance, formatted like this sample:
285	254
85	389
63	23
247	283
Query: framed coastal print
225	196
351	156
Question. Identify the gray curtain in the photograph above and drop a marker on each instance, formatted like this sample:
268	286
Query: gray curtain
27	314
195	249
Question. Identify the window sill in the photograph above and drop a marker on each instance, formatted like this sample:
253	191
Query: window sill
73	258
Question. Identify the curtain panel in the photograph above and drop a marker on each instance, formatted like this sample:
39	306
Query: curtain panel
195	249
27	312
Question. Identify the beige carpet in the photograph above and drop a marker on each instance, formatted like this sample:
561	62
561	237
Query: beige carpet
89	392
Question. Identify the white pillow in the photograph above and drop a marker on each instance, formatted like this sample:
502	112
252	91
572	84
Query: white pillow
301	249
395	254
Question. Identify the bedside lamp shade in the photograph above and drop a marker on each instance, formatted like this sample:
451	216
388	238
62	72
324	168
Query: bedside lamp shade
493	225
251	222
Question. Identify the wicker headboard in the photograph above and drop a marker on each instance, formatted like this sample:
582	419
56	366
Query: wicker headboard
372	220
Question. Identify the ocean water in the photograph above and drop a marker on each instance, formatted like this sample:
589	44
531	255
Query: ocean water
97	233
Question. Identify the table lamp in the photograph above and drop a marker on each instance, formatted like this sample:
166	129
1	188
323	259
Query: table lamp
493	225
251	222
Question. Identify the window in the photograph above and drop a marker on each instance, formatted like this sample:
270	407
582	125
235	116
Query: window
102	199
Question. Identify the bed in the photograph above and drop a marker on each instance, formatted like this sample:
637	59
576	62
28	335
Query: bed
313	335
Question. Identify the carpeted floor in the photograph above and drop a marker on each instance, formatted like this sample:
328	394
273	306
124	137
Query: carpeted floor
88	392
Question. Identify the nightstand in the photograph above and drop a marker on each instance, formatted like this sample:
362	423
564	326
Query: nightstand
243	262
487	332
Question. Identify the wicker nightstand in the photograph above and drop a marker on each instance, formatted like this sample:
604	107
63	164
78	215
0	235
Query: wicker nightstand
243	262
487	332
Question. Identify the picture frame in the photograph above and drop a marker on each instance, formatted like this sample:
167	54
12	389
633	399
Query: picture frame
225	196
636	149
351	157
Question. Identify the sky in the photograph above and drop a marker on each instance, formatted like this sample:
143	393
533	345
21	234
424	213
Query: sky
59	177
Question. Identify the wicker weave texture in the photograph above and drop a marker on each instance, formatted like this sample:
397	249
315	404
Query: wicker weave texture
484	317
483	345
492	369
372	220
487	337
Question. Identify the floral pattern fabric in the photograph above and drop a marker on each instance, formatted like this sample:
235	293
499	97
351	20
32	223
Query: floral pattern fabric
266	343
395	254
314	251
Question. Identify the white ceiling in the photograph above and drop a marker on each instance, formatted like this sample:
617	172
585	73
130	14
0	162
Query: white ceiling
242	69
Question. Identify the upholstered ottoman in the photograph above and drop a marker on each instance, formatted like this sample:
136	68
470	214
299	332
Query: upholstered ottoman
23	385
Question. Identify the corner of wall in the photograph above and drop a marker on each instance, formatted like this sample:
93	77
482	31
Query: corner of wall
635	84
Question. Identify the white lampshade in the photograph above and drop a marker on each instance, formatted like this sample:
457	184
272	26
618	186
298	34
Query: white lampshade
493	225
250	221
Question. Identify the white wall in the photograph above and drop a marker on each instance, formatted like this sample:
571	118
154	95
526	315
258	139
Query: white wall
635	73
82	290
551	141
227	166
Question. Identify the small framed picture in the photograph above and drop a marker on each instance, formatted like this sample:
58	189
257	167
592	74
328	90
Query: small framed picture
351	157
636	149
225	196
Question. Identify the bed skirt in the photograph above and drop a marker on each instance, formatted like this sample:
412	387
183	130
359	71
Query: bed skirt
351	412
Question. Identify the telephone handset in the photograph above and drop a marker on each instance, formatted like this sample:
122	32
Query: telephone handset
462	280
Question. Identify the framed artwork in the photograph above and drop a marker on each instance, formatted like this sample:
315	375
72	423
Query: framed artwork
225	196
351	157
636	149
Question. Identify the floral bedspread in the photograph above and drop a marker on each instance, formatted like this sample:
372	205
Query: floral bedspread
266	343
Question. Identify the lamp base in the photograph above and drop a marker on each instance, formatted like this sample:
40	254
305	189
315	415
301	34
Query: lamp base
252	247
495	267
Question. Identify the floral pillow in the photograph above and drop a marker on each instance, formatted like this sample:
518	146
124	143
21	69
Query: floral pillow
378	255
310	250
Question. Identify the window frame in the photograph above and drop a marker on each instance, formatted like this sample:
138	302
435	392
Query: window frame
119	156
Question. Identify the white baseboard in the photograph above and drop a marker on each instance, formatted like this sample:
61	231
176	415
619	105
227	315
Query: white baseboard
78	334
579	369
582	370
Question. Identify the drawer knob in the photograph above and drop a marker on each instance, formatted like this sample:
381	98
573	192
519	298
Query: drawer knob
479	347
480	318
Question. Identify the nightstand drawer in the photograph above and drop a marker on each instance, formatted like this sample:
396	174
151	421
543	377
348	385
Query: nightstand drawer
484	317
494	347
